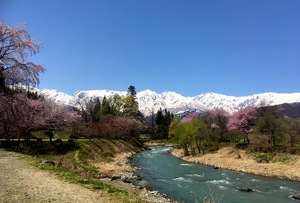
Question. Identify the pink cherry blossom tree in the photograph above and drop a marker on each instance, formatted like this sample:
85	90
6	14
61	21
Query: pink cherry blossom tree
124	127
7	110
243	121
189	117
16	46
29	117
19	115
56	117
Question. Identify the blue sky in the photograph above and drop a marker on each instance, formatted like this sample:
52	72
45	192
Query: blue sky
230	47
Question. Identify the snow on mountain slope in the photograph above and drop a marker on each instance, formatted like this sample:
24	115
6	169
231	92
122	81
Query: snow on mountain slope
59	97
97	93
151	101
232	104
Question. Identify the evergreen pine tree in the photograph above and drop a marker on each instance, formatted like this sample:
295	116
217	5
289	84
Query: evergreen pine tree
130	104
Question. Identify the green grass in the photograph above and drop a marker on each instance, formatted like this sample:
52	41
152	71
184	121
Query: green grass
95	184
115	190
273	157
73	166
67	175
58	135
72	176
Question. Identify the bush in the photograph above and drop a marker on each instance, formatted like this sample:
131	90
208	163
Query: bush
242	145
39	147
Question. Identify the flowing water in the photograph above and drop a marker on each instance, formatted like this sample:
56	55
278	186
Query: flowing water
190	182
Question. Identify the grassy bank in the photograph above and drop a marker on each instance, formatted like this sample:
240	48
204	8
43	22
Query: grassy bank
78	161
277	165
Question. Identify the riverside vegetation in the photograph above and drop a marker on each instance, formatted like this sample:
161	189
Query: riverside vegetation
77	136
251	135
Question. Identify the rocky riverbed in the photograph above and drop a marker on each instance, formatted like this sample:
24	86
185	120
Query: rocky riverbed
126	177
132	182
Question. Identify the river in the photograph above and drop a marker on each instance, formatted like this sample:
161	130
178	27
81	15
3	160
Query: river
191	182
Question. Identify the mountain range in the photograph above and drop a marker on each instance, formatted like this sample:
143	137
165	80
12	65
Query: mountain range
175	103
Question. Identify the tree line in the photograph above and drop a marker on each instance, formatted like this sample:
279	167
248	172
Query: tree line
115	117
258	128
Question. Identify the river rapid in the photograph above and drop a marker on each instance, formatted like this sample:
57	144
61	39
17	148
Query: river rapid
191	182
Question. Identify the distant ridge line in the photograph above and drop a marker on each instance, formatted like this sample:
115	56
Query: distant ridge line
149	100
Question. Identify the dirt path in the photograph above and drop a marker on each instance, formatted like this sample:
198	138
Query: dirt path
238	160
19	182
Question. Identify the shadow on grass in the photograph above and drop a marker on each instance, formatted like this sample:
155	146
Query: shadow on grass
39	147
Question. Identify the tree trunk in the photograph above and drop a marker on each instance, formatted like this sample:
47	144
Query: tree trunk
203	151
50	134
186	150
2	82
292	140
210	140
193	151
247	138
222	137
274	141
198	145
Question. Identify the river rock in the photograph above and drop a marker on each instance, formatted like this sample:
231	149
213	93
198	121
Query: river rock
138	177
164	195
115	177
154	192
296	196
126	180
134	181
145	184
246	190
48	162
216	167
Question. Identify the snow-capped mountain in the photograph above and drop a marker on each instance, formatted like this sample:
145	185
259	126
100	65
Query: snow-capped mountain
151	101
